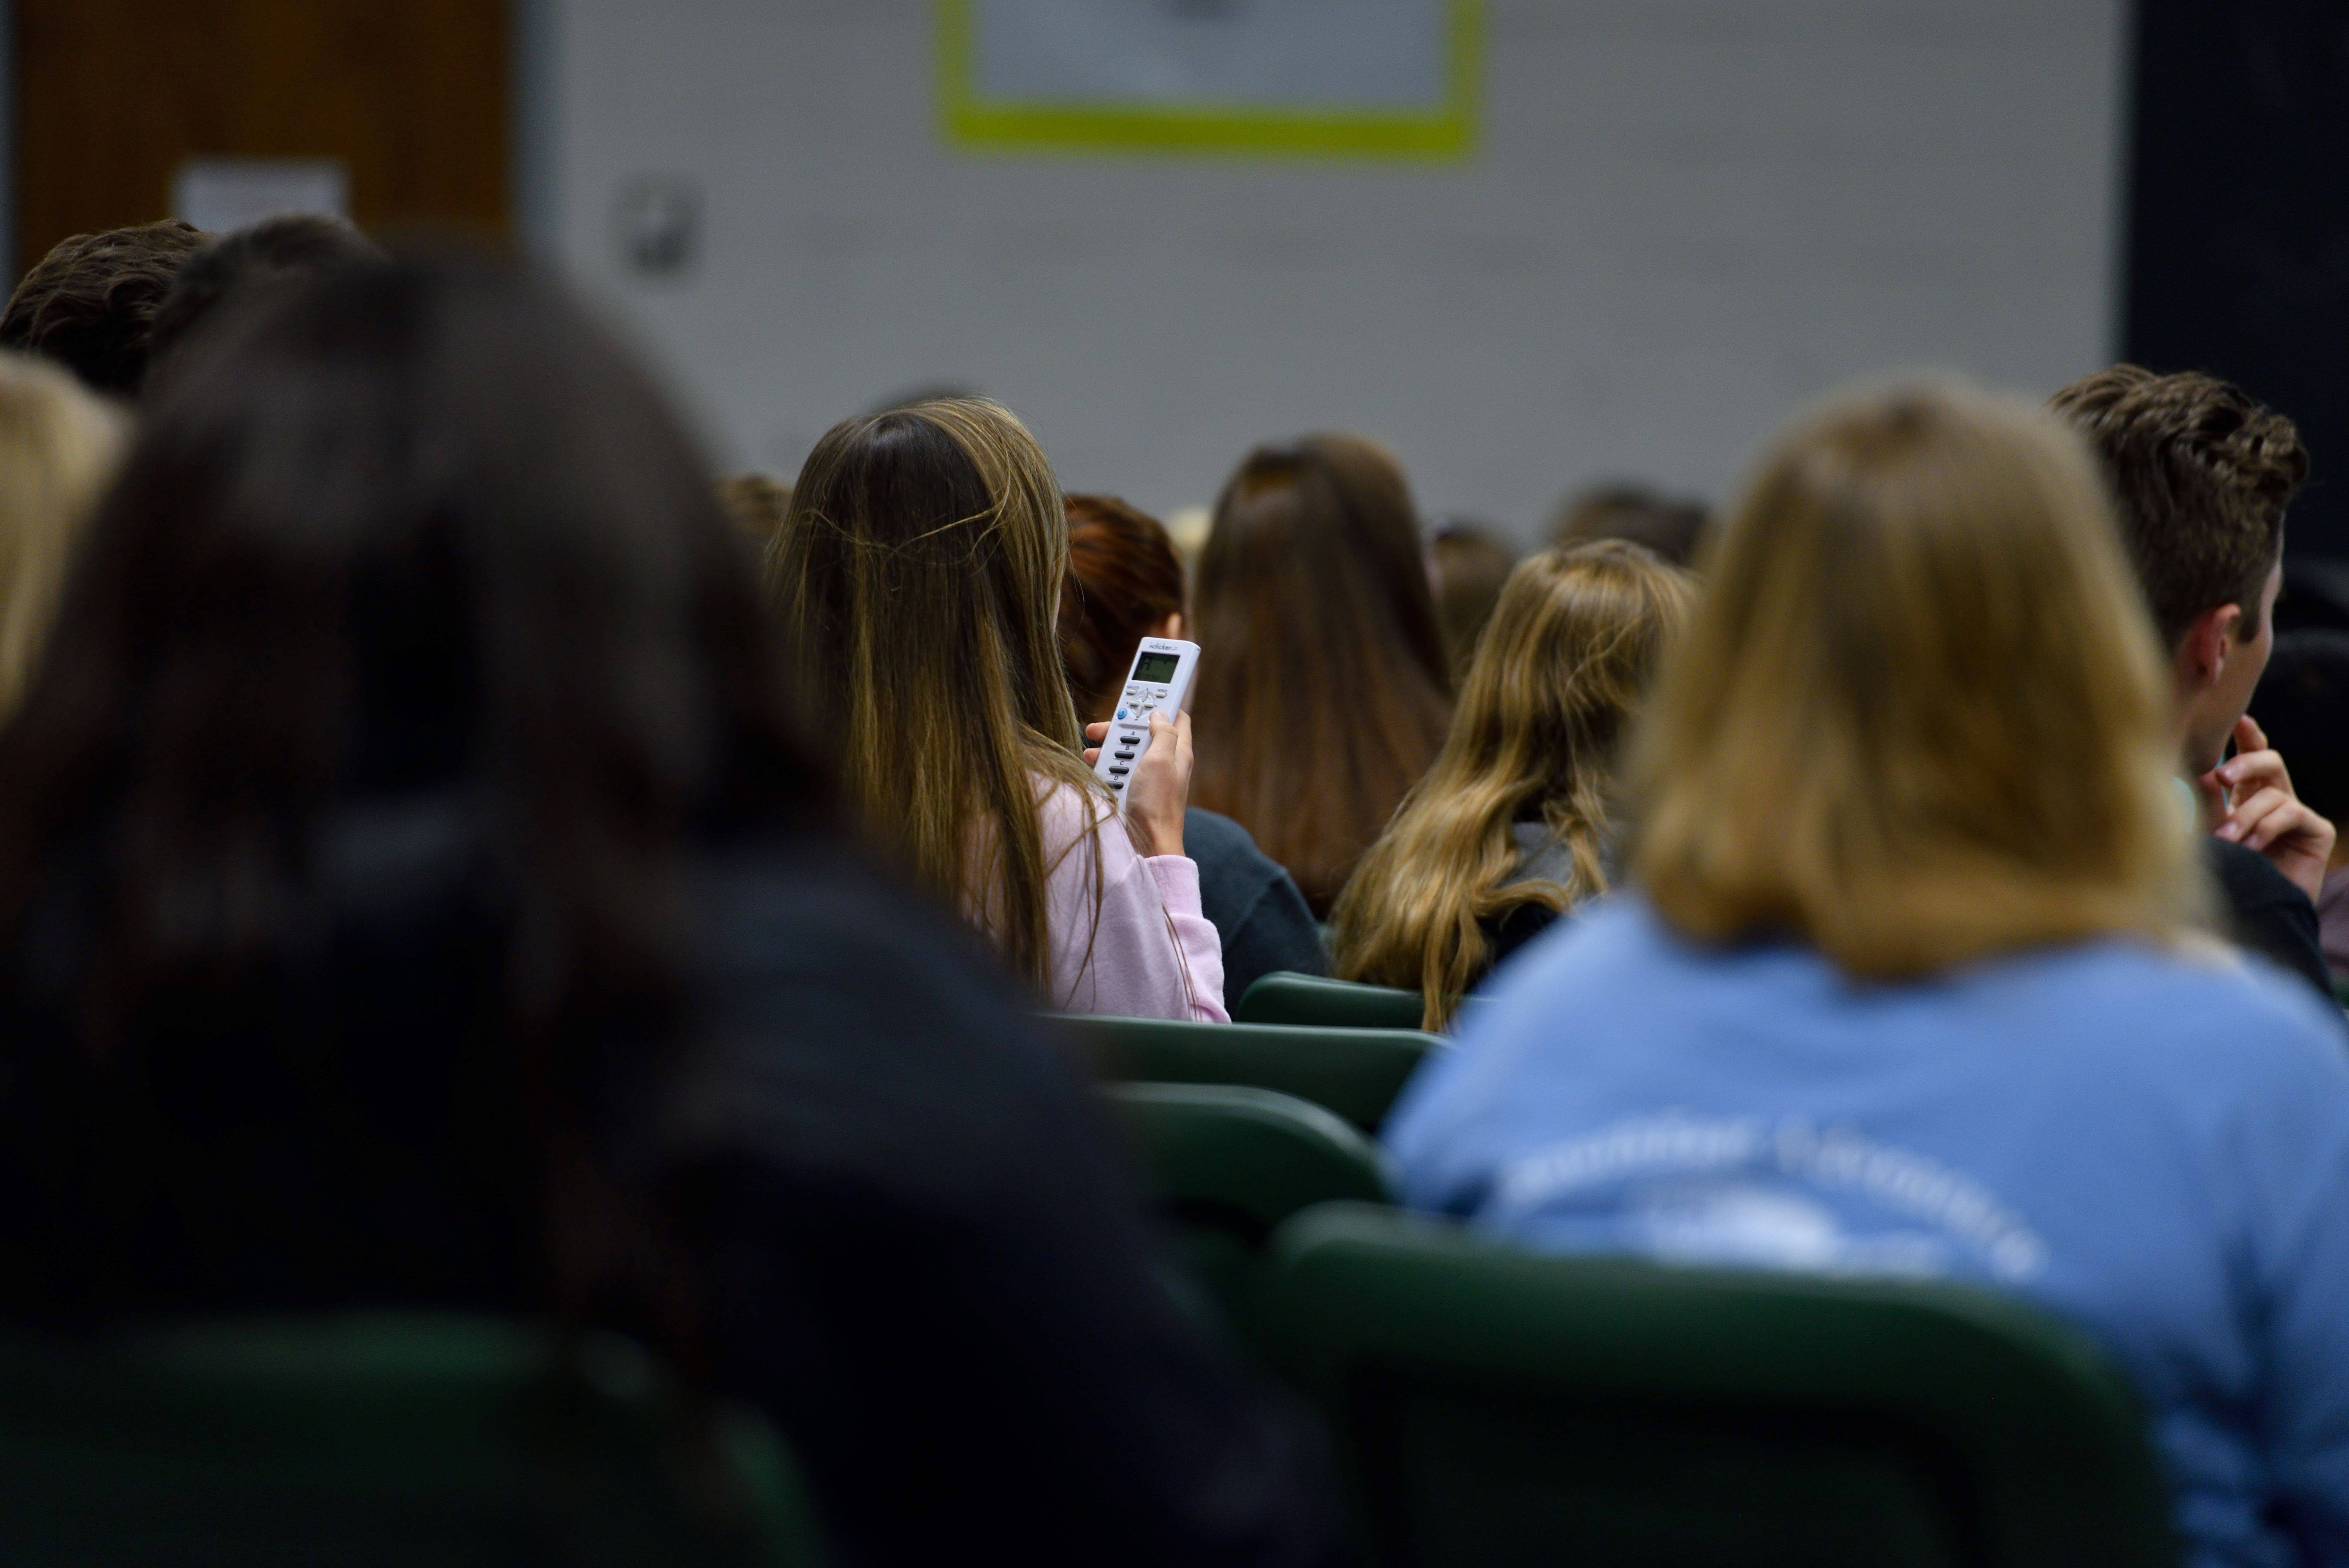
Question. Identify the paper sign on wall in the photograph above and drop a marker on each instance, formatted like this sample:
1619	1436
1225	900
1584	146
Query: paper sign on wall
1366	77
217	195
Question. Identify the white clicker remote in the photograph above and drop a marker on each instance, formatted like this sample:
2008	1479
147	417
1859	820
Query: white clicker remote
1158	682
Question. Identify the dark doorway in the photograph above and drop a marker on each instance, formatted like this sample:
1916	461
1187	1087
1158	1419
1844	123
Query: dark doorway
2239	232
114	97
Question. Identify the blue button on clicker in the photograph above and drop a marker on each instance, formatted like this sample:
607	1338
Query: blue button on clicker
1121	713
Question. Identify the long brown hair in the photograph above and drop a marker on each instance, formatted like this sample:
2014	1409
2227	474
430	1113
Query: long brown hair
1323	690
1558	677
920	568
1920	716
417	544
1124	579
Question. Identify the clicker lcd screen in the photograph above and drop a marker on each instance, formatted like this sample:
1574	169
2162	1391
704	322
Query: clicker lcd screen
1156	668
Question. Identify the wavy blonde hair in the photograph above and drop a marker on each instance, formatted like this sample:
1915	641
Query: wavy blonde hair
58	446
1920	716
1557	677
918	567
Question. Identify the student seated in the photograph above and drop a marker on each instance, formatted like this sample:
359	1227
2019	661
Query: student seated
415	891
1125	583
2302	708
919	569
1323	689
1466	565
2200	477
59	443
90	304
1911	982
1512	826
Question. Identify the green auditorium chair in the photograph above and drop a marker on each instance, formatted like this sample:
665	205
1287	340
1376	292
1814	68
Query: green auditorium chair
1356	1073
1228	1164
1500	1407
1285	996
378	1440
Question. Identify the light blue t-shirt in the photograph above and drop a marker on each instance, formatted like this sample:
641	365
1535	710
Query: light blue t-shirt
2156	1146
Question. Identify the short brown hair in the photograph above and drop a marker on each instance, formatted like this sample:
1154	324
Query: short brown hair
1123	578
2200	475
90	302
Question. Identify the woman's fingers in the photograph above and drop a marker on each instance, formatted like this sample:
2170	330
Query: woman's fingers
1160	786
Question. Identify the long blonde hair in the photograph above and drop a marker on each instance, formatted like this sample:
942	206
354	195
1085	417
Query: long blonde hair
920	568
1920	716
1557	677
58	446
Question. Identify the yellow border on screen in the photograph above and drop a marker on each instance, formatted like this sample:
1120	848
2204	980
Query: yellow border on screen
1446	133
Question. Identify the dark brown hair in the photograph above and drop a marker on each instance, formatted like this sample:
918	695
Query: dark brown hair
1633	512
2201	476
274	251
1123	578
1323	691
90	302
1469	566
411	543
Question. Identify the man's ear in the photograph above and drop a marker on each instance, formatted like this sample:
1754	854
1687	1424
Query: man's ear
2210	639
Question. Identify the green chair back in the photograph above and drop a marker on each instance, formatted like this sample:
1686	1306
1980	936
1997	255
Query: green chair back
1228	1164
1501	1408
1285	996
394	1440
1356	1073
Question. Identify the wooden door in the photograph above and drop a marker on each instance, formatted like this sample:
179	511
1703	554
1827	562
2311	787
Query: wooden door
412	96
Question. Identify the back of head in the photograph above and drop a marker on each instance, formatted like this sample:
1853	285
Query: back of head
1124	579
1323	685
412	543
90	304
2302	705
58	446
1919	718
757	503
919	569
1672	528
274	252
2200	477
1469	566
1561	674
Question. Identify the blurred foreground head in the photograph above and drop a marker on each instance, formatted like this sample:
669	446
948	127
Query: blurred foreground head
274	253
1920	716
90	304
408	530
1324	687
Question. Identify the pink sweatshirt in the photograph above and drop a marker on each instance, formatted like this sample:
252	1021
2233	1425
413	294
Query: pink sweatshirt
1152	954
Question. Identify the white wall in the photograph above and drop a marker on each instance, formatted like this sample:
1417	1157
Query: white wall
1686	217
